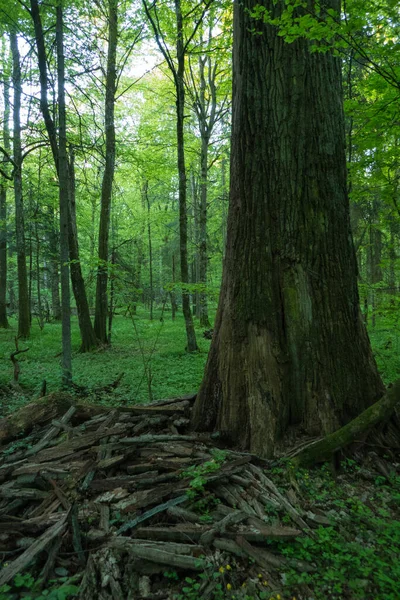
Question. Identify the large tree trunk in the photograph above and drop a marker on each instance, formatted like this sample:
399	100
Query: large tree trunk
64	201
24	318
183	237
3	207
290	347
108	177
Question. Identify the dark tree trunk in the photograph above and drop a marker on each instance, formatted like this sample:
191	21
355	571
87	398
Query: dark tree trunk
289	347
183	237
88	336
3	208
24	319
100	320
64	201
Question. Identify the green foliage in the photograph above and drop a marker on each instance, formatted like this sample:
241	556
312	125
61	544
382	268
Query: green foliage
355	557
197	472
174	372
27	587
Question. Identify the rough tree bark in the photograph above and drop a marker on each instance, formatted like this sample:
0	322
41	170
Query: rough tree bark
100	319
24	318
289	347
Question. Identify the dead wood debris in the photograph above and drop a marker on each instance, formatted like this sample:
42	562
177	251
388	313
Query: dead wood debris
105	494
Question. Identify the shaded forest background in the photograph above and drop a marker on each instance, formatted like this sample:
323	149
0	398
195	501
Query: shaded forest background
122	62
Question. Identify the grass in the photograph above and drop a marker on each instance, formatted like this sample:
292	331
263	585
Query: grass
174	372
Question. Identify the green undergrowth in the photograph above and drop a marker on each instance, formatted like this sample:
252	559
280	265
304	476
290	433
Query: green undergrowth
353	555
159	345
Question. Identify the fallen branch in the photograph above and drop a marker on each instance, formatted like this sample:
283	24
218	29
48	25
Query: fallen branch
323	450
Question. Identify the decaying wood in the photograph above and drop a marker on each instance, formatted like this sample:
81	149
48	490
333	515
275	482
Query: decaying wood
323	450
108	492
7	573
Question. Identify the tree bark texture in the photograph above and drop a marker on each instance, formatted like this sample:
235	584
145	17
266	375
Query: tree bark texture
64	201
100	320
24	319
289	347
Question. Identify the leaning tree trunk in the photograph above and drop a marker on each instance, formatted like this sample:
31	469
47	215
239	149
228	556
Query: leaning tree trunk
290	347
100	318
24	318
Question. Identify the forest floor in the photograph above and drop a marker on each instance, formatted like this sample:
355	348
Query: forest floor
158	345
324	533
153	346
126	503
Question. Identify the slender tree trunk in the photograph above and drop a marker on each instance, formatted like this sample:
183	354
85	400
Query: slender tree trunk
289	347
393	228
174	307
183	237
88	337
108	177
38	281
23	293
54	261
195	237
64	202
3	208
146	202
203	257
375	274
224	201
3	256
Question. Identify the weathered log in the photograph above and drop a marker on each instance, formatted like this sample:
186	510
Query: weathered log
39	412
26	557
323	450
153	554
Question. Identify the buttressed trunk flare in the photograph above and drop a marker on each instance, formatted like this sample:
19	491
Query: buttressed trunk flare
290	347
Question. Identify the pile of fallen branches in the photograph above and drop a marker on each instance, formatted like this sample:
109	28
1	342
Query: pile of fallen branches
112	496
115	497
